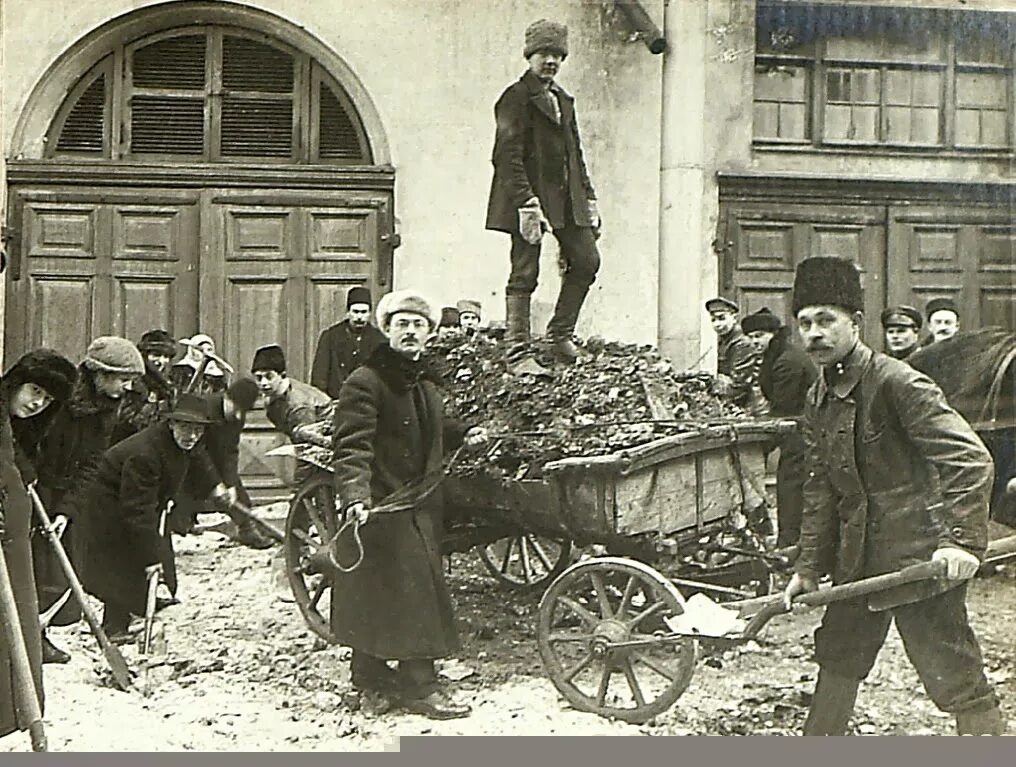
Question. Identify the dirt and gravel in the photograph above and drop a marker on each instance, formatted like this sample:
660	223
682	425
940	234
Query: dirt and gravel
243	673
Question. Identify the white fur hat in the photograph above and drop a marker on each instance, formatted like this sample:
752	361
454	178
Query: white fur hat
404	301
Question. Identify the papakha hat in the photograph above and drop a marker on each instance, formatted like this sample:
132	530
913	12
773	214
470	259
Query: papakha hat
827	281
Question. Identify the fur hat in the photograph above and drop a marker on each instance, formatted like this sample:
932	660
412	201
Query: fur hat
191	408
827	281
358	295
466	306
404	301
902	316
112	354
721	304
244	393
269	358
546	35
449	317
763	319
157	341
46	368
939	305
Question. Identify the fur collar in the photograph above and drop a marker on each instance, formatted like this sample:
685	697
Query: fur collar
398	373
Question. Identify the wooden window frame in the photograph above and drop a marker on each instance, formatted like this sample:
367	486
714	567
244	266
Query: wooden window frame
308	76
816	62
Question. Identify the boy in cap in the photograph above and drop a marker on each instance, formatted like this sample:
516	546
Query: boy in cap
943	319
343	347
292	404
895	477
902	326
737	358
469	315
389	432
124	532
541	184
79	435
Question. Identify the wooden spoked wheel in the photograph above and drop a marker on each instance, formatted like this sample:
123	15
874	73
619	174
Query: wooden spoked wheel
586	617
311	522
526	561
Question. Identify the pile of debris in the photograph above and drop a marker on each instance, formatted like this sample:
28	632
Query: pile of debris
537	410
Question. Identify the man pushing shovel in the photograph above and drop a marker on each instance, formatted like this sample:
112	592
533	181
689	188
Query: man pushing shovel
878	433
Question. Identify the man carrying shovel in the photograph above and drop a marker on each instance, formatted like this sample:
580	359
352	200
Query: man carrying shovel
878	433
123	528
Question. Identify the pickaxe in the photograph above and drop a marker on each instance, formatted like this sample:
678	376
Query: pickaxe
206	357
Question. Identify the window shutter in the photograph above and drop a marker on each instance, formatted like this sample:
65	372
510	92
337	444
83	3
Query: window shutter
248	65
167	116
167	125
339	137
83	128
177	63
257	102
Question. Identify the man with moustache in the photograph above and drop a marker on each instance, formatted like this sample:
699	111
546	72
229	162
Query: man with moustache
943	319
895	477
79	435
541	184
902	326
389	432
345	346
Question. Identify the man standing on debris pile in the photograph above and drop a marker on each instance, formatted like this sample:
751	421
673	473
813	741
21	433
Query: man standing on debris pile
390	432
122	508
68	454
541	184
878	434
785	375
902	326
737	359
345	346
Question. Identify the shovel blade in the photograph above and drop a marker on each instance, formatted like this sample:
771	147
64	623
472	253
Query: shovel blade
704	617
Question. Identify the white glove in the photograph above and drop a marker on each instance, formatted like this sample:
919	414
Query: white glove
360	510
961	564
154	569
533	224
226	495
594	215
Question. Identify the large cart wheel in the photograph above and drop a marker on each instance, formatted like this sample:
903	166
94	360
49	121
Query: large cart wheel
603	602
312	520
526	561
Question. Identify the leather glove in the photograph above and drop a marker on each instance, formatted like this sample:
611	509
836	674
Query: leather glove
798	585
961	564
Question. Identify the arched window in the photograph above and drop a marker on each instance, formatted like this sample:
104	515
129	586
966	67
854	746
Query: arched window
209	94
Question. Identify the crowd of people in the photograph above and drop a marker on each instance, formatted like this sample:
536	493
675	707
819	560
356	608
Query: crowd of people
128	445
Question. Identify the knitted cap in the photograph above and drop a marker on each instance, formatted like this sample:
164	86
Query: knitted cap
546	35
902	316
269	358
112	354
358	295
244	393
464	306
763	319
940	304
827	281
157	342
404	301
46	368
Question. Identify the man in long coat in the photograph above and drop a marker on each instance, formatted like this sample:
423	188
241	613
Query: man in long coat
68	454
541	183
896	477
389	432
345	346
30	392
123	505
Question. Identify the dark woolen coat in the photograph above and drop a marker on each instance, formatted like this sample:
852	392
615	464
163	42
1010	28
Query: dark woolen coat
75	441
119	522
389	431
17	512
340	351
535	155
149	401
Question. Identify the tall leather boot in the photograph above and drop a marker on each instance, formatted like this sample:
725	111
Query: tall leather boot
517	317
566	315
831	705
987	722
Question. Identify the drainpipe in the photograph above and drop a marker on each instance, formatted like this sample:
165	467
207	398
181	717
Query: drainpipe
642	23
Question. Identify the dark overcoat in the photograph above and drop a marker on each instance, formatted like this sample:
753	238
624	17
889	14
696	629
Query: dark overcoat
119	521
893	473
389	431
340	351
537	155
70	450
149	401
17	512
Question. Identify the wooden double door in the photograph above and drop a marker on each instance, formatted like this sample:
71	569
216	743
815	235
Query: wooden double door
907	253
247	266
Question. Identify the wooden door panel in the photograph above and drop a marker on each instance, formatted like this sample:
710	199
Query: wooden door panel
258	234
143	303
60	231
259	308
60	314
